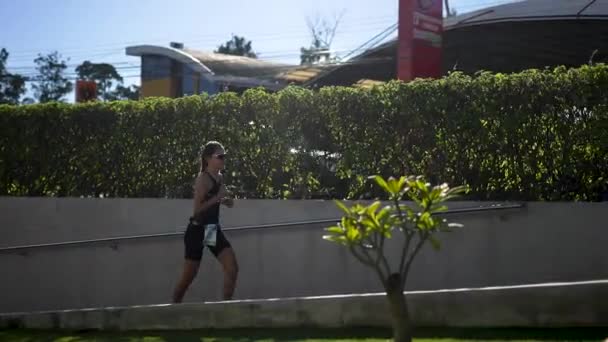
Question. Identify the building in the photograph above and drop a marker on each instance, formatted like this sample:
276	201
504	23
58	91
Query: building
175	71
505	38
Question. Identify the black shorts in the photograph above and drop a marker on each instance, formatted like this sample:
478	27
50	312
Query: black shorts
193	242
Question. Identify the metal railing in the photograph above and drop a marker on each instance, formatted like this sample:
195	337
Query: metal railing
23	248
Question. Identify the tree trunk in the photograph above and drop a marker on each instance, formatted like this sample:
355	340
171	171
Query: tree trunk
402	327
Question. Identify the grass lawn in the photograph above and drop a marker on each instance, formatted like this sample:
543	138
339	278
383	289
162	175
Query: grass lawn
326	335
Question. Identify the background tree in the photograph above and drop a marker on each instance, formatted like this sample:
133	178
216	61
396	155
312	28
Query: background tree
365	229
12	86
237	46
51	84
322	31
105	76
124	93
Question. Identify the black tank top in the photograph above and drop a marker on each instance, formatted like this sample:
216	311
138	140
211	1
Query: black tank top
212	214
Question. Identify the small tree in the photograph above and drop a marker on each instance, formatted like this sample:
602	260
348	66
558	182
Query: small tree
364	230
125	93
237	46
51	84
104	74
322	32
12	86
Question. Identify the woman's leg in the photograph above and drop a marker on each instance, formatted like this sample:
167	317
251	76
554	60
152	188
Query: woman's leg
231	269
188	274
193	248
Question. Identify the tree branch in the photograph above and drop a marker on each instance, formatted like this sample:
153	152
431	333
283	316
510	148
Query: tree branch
369	263
332	31
383	257
380	257
406	233
424	236
406	247
401	216
361	258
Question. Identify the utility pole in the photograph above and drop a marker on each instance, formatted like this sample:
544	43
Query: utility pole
447	8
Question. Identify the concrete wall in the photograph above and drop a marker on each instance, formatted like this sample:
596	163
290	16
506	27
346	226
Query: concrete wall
583	304
541	243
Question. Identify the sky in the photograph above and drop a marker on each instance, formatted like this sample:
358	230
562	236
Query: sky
100	31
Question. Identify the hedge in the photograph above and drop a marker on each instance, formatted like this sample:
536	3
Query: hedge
535	135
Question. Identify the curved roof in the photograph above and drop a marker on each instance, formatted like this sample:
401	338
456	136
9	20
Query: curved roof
214	63
238	65
532	10
176	54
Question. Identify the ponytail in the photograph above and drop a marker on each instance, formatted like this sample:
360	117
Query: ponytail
203	164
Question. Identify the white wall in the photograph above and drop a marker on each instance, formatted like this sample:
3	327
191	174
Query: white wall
543	242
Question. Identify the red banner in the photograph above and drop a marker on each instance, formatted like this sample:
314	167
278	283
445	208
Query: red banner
86	91
419	42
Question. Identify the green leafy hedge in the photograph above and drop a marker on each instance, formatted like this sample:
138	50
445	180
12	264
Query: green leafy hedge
536	135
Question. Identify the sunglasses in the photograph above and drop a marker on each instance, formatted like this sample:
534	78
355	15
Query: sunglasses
220	156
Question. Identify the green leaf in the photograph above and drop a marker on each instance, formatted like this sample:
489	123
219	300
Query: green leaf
353	235
438	208
335	230
384	213
406	209
381	182
424	221
372	208
342	206
435	242
394	186
338	239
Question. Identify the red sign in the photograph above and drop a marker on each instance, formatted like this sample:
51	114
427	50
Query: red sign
86	91
419	42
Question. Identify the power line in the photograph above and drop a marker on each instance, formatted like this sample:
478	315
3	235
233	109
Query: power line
275	72
277	54
387	31
215	39
381	20
92	57
31	70
103	49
